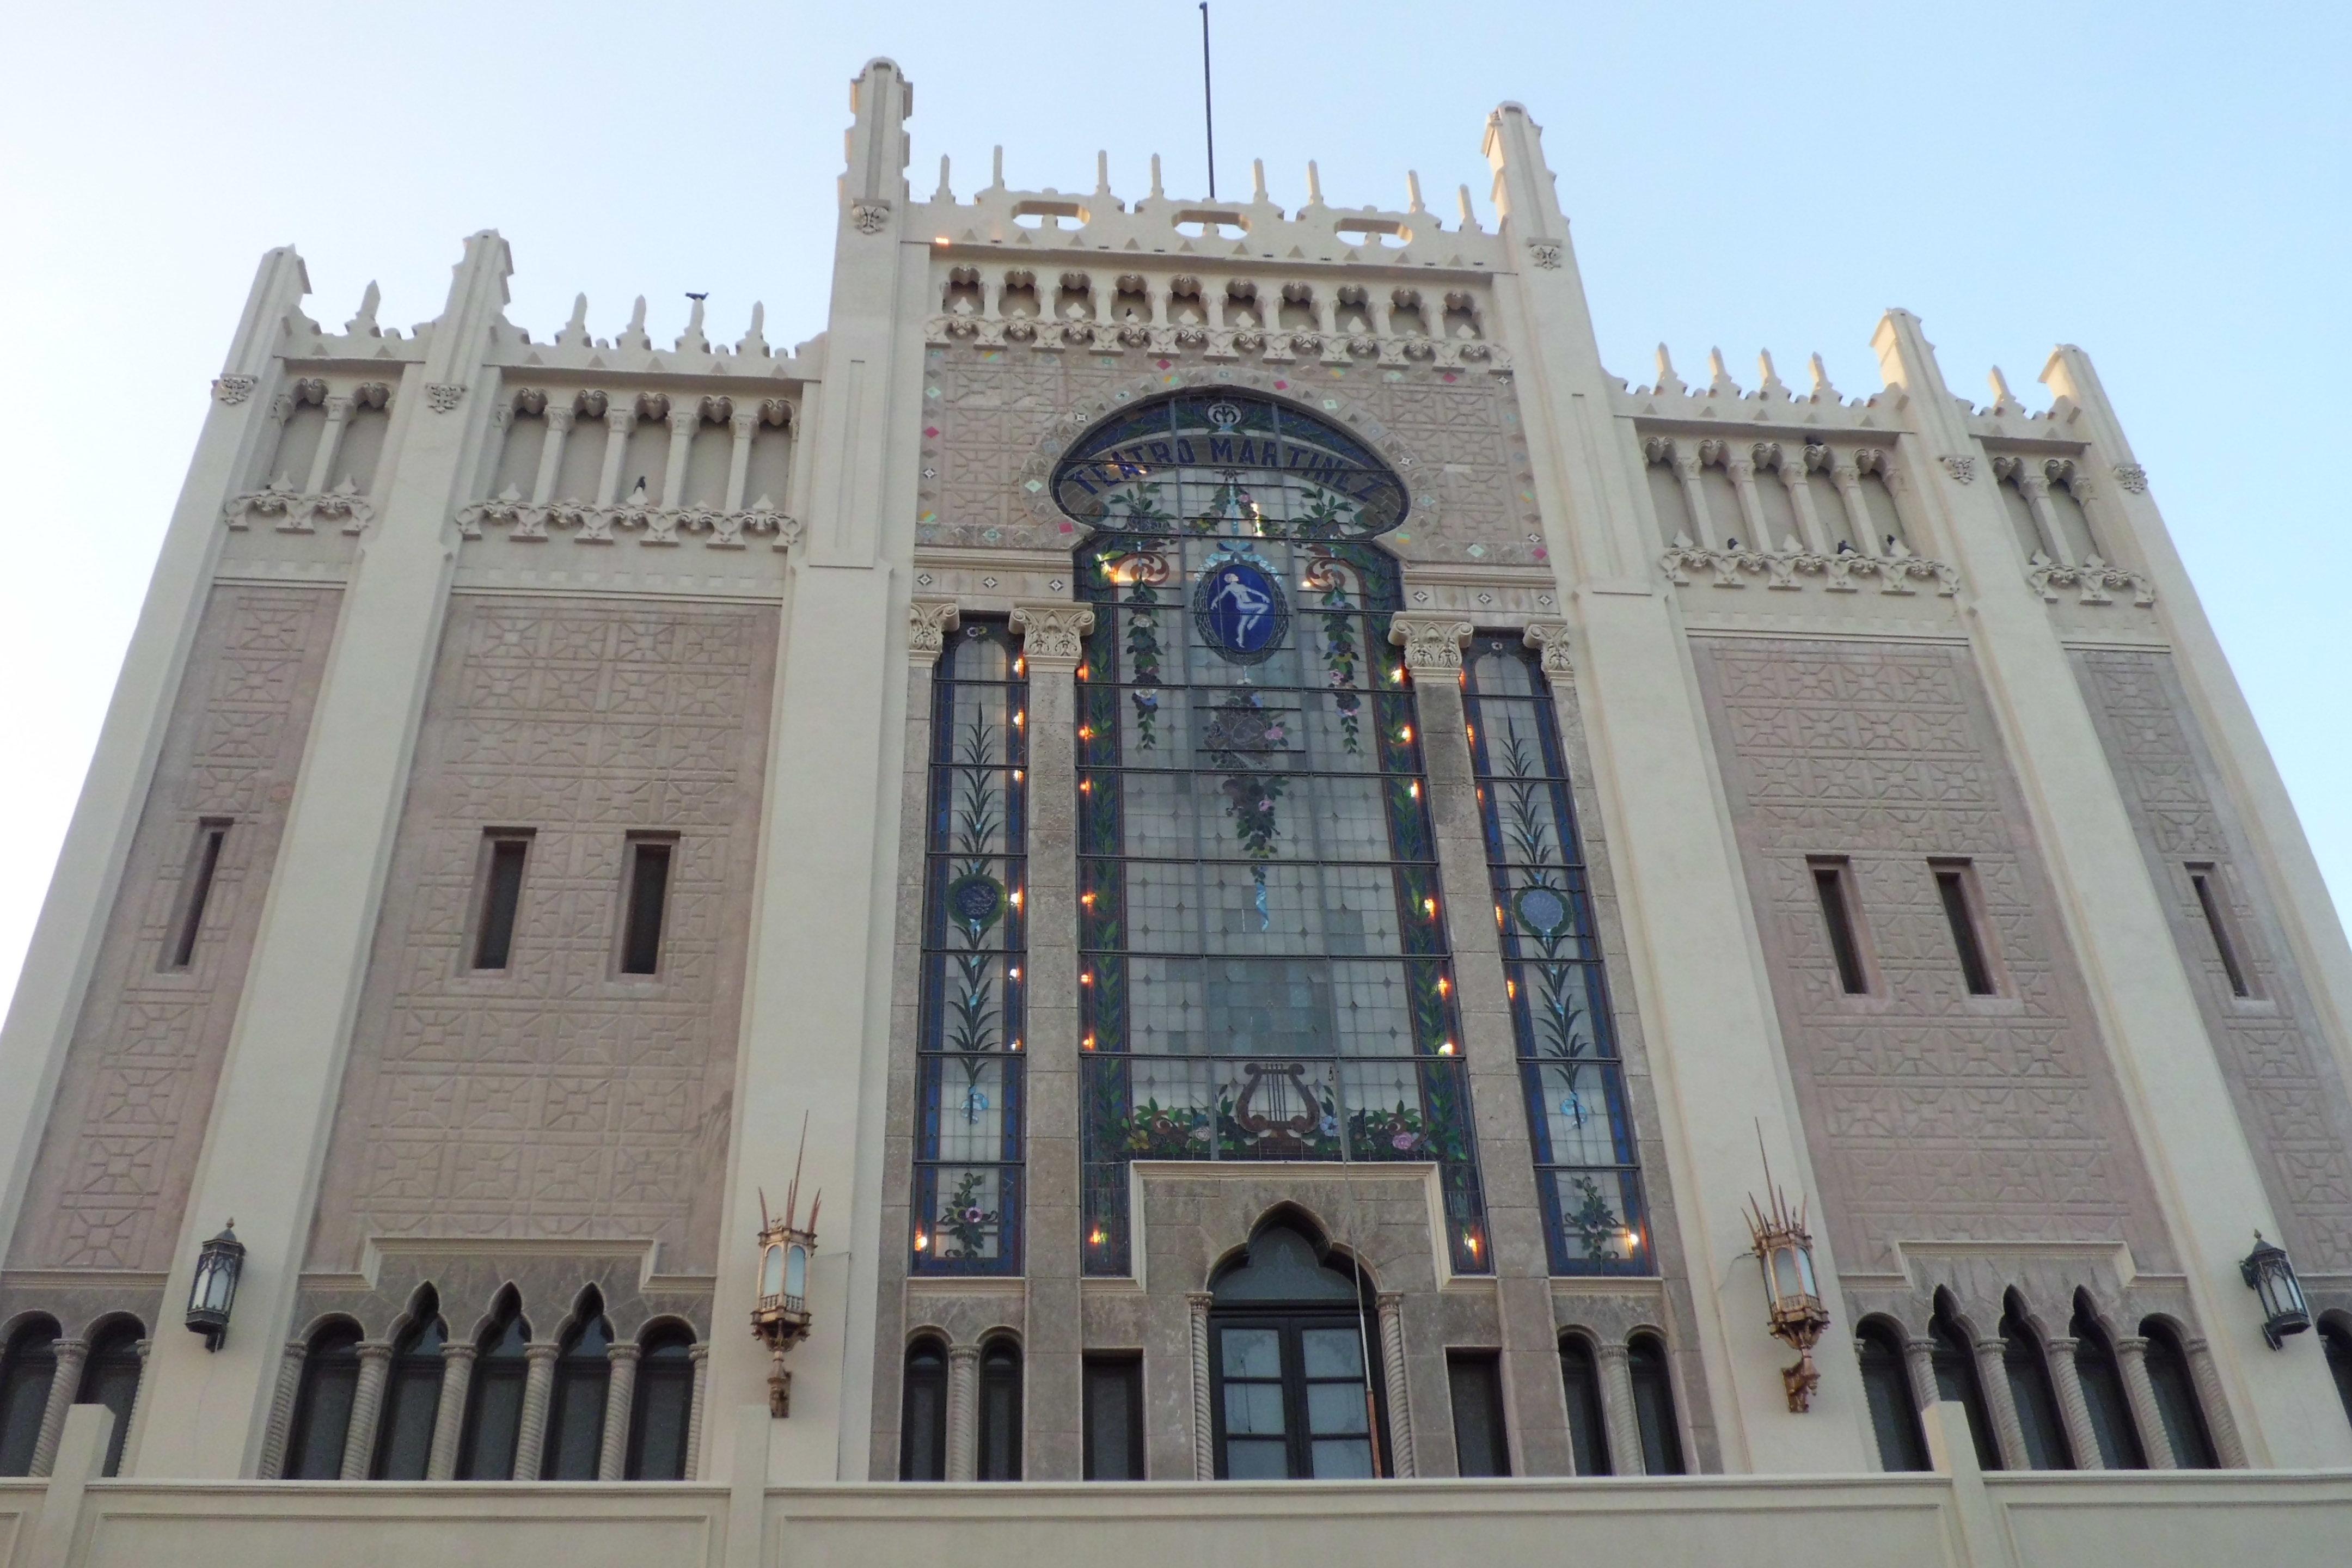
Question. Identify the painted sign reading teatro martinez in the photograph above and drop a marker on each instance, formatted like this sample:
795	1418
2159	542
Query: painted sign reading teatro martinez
1215	461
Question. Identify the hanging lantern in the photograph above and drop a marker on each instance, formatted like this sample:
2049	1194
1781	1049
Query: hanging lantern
1795	1315
214	1291
2270	1274
780	1314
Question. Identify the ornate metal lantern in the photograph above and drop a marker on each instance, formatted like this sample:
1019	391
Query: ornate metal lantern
215	1289
1796	1315
780	1317
2270	1274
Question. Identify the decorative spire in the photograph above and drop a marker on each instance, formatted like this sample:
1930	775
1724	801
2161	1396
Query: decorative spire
1822	391
754	342
2003	402
635	337
1719	383
364	324
1469	218
1669	383
996	169
1770	386
575	331
1413	192
1314	185
945	195
693	340
1102	174
1257	179
1156	192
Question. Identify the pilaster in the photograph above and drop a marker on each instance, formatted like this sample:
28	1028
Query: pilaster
538	1357
272	1464
1617	1412
284	1066
2073	1408
963	1415
450	1411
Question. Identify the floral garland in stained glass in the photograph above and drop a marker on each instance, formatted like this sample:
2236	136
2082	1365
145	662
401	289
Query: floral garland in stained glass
1328	576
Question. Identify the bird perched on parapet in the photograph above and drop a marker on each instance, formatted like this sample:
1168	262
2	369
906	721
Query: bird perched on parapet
697	298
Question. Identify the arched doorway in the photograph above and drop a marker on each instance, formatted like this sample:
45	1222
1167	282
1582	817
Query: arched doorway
1294	1365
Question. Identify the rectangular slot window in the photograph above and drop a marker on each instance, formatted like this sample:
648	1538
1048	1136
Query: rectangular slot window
1476	1379
1830	884
501	897
212	832
1114	1418
1968	937
644	901
2217	920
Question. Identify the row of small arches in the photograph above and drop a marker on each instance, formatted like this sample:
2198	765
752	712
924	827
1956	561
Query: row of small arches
434	1409
1186	302
33	1402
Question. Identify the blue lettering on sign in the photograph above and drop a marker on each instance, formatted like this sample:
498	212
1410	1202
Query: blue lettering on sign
1240	609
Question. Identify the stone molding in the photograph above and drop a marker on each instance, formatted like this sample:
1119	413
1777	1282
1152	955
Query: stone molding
1430	642
1052	634
929	621
1551	641
1783	568
234	389
296	511
531	522
2097	582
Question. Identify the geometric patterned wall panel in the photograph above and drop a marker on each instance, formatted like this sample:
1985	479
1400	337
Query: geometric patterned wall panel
1932	1114
2288	1092
121	1148
560	1097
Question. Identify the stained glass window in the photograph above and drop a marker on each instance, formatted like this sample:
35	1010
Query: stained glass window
967	1206
1263	963
1587	1173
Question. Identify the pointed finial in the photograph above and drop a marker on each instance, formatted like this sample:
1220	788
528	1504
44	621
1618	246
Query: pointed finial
2002	402
944	193
755	341
1257	179
1156	192
1413	192
1771	385
996	171
1102	174
1314	185
634	337
1669	383
575	331
692	339
1822	391
1719	382
364	324
1469	218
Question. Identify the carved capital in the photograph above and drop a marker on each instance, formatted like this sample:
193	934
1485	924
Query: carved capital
338	409
1549	638
1052	634
620	421
443	395
560	419
234	389
929	621
1430	642
685	421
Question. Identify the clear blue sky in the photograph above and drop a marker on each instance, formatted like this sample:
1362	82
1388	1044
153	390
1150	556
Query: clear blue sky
2165	185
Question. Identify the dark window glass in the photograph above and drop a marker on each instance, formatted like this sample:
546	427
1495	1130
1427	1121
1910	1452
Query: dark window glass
575	1407
24	1373
2176	1399
1294	1396
648	893
323	1407
1654	1407
1114	1418
1956	1382
923	1418
1475	1381
502	898
2216	922
2034	1394
1829	886
2338	1346
411	1401
1952	887
1894	1411
1588	1423
111	1377
494	1402
661	1411
999	1412
2103	1395
211	834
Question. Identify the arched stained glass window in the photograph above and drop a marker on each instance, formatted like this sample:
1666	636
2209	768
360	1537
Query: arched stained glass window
1588	1422
1262	962
1654	1405
662	1413
322	1405
1893	1410
923	1414
1587	1177
999	1453
967	1206
2035	1396
486	1451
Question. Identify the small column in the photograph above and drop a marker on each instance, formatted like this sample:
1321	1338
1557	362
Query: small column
745	426
539	1384
1694	497
963	1413
1801	499
1393	1378
1617	1413
449	1414
2220	1424
1204	1431
1919	1361
620	1395
2071	1406
2131	1356
1742	470
551	452
2036	490
65	1383
331	440
367	1403
1848	480
698	1356
685	421
1992	1375
620	423
272	1464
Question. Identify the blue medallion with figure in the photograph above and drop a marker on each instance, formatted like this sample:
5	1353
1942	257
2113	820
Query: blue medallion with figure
1239	607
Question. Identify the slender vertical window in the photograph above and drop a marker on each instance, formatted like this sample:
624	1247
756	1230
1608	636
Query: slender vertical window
26	1372
212	834
1957	1383
646	902
2032	1392
1475	1378
1894	1411
322	1405
1114	1418
1587	1172
1295	1373
661	1411
1831	880
494	1399
2337	1343
2102	1394
111	1377
967	1201
1653	1407
999	1412
2217	922
2176	1398
1588	1421
575	1407
1264	971
1968	937
412	1398
923	1415
502	898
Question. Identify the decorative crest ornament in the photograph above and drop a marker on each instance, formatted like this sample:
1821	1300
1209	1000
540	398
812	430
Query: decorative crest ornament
1545	252
2132	477
868	217
234	389
443	395
780	1314
1963	468
1240	608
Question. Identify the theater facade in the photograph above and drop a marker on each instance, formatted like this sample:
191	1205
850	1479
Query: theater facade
1187	889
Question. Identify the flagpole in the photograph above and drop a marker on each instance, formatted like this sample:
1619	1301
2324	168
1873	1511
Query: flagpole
1208	103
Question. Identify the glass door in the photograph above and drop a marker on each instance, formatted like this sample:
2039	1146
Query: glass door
1291	1398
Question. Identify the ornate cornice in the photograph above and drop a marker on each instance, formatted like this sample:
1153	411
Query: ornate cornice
234	389
1052	634
929	621
1788	567
1430	642
589	525
2096	581
295	511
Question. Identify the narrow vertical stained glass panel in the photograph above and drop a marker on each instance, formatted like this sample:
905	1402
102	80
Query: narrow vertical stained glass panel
1264	972
967	1206
1588	1175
